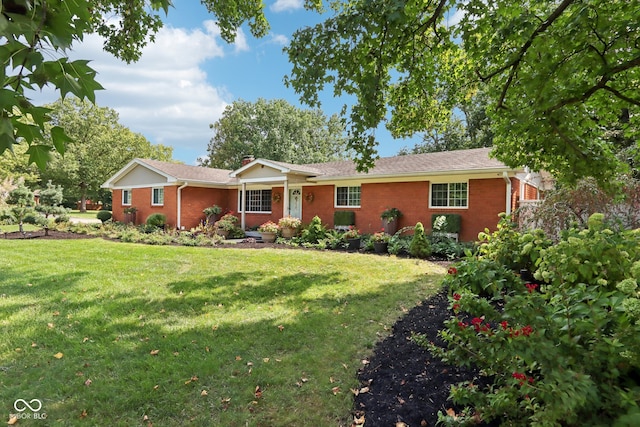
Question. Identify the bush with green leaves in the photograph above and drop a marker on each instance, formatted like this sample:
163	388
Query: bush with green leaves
314	232
104	216
157	220
419	246
563	352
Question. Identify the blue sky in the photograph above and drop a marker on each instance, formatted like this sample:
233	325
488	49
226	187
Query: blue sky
189	75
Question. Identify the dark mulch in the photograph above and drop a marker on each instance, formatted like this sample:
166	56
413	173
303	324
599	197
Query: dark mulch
405	383
402	384
40	234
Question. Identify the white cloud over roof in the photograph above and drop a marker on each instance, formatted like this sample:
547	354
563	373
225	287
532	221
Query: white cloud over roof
286	5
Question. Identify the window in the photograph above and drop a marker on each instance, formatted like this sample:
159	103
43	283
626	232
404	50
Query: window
126	197
157	196
257	201
450	195
348	197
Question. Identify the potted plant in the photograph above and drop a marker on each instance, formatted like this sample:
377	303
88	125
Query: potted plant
289	226
226	224
353	238
381	242
268	231
389	219
130	215
212	213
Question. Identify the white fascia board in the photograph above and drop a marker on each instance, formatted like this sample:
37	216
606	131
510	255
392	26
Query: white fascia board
251	164
129	167
413	176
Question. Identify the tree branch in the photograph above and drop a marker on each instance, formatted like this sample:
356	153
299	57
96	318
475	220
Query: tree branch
514	64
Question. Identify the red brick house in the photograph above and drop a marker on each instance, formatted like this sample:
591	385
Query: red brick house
465	182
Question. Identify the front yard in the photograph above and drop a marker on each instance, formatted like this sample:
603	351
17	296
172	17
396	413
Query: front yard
109	334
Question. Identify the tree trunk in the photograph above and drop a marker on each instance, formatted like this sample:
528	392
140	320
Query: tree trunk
83	197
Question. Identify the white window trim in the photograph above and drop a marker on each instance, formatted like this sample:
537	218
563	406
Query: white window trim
335	197
153	189
448	183
241	208
127	190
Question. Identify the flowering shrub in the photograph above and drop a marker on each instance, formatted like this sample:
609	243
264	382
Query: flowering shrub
351	233
289	222
564	351
227	222
269	227
381	236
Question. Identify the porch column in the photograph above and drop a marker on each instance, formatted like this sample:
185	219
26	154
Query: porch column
243	206
285	199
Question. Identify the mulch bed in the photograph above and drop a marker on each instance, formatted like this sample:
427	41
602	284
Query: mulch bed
402	384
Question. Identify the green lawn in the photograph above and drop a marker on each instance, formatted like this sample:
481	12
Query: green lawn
108	333
87	214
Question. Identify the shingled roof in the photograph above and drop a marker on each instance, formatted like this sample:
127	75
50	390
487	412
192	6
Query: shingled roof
476	159
191	173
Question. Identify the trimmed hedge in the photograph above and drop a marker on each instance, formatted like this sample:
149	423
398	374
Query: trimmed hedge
344	218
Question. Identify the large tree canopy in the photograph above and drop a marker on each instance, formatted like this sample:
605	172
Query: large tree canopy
558	73
36	34
274	130
100	147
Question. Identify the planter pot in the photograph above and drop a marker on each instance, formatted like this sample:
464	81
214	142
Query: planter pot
223	233
268	237
380	247
288	233
130	218
390	226
354	244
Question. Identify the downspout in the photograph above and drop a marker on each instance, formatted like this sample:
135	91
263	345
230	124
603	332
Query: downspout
179	207
505	175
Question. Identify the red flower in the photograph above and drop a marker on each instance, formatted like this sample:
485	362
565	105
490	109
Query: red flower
453	271
456	307
457	297
531	287
527	330
504	325
463	325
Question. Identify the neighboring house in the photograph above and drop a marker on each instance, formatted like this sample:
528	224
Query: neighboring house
466	182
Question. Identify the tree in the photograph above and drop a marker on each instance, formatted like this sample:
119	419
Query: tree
34	31
50	201
555	73
275	130
22	202
101	146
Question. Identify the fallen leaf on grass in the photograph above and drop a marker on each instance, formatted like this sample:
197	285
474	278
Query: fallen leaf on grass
84	414
154	352
58	355
281	328
88	383
204	393
258	392
358	421
50	325
364	390
335	390
12	421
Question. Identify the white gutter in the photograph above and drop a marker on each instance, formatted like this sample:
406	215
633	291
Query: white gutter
505	175
179	210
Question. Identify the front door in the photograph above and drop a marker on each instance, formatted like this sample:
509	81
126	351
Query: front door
295	203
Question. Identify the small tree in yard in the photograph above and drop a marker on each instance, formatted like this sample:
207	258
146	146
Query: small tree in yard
51	201
419	246
21	201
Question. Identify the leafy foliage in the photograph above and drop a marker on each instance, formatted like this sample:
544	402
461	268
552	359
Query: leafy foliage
531	341
420	247
104	216
157	220
22	203
274	130
553	86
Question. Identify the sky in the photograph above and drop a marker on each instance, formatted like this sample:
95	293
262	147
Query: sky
184	80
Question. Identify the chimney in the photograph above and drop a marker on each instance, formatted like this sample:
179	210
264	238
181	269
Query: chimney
247	159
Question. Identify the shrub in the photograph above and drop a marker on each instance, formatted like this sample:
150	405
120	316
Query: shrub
104	216
446	223
314	232
562	352
157	220
419	246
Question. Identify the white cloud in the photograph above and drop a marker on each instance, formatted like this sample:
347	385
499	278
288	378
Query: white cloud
286	5
165	95
279	39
